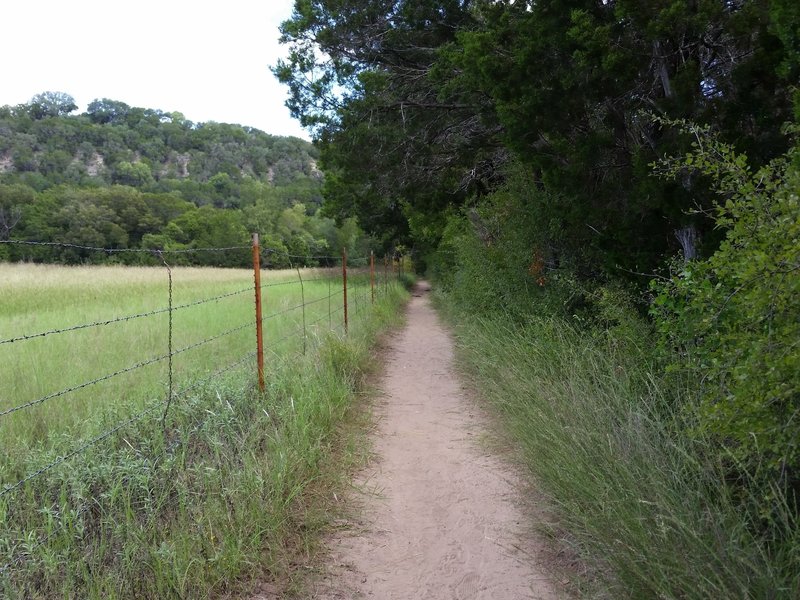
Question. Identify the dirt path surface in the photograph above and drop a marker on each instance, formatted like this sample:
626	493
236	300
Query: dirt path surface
440	516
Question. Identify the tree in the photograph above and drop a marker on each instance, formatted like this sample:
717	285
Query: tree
13	201
445	94
136	174
51	104
361	76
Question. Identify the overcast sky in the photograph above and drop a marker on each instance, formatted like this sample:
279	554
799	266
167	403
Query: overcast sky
208	60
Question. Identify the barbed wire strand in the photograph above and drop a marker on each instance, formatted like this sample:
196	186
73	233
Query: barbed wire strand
138	365
57	529
80	449
278	283
331	258
120	250
216	374
296	282
265	250
125	318
85	446
317	321
114	320
107	434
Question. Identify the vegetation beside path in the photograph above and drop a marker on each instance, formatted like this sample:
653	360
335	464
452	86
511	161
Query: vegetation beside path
216	499
648	512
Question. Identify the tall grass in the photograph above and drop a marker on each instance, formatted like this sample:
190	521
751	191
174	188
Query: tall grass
38	298
214	496
647	508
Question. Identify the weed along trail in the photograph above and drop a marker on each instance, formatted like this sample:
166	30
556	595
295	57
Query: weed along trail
438	516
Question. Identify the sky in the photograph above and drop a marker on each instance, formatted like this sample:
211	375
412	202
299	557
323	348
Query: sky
207	60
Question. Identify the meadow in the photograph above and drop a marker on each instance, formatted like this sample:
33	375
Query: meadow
199	496
36	299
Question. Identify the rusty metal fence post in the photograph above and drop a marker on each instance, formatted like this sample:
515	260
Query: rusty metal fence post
372	274
259	321
344	285
303	304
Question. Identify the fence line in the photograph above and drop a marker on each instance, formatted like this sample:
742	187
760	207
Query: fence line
101	437
358	280
125	318
134	367
154	251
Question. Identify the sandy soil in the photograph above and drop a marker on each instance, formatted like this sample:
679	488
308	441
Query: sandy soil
441	517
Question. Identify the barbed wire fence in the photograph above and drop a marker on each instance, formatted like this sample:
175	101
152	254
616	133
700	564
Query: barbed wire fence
359	277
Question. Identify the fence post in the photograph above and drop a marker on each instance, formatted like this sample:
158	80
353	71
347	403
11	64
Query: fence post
259	329
170	353
303	302
372	274
385	273
344	285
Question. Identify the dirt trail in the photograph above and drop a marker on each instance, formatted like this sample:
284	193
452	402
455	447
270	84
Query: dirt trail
441	517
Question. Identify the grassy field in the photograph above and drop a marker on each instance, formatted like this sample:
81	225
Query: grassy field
206	500
41	298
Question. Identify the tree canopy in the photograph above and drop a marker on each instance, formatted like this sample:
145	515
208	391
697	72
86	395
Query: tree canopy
446	95
119	176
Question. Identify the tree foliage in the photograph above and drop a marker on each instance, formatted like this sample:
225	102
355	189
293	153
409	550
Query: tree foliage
734	316
420	106
119	176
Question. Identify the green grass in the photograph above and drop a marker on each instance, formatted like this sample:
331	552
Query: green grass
38	298
216	497
632	496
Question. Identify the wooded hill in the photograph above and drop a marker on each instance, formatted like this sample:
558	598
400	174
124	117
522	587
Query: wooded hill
118	176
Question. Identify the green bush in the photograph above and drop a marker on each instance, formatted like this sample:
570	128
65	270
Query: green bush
735	317
505	256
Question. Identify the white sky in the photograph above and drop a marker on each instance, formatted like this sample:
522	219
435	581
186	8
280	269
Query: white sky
208	60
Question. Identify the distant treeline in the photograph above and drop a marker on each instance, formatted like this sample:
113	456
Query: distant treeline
118	176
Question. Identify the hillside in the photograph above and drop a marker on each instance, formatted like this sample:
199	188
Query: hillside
119	176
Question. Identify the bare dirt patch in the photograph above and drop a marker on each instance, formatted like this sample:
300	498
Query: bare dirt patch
441	516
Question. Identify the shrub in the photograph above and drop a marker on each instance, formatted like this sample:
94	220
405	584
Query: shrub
735	316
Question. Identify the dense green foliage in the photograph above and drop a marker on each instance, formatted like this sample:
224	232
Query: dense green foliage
447	94
735	317
124	177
